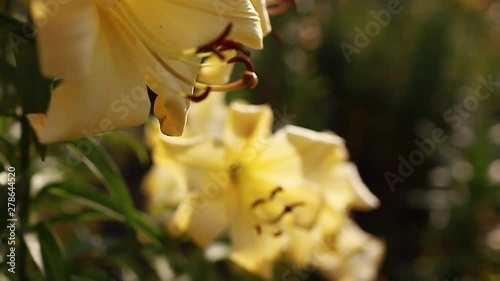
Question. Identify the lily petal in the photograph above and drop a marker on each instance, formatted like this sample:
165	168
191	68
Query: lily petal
296	155
265	21
171	111
197	153
357	255
306	245
67	35
204	218
345	189
250	251
165	187
198	21
248	127
111	97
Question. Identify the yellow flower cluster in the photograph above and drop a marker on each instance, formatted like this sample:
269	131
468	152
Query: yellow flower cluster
287	193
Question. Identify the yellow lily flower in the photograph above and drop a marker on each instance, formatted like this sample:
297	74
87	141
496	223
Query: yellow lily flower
342	189
321	246
107	52
250	181
352	255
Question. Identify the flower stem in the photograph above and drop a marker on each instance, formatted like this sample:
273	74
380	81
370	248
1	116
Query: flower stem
24	200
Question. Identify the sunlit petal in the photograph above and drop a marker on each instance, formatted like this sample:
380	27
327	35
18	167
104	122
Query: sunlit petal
248	126
113	92
203	217
344	188
249	250
297	154
171	111
67	35
265	21
198	21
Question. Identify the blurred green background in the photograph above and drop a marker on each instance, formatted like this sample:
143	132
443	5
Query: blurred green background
415	72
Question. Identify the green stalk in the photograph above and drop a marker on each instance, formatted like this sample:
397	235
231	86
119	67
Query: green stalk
24	194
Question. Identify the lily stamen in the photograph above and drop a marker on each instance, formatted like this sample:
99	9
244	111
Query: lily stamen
258	202
275	191
286	210
216	46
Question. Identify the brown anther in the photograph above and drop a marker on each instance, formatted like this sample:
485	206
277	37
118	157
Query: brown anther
275	191
258	229
289	208
199	97
212	45
278	233
250	79
258	202
247	62
232	45
286	210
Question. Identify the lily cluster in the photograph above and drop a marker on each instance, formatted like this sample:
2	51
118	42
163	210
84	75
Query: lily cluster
275	194
285	193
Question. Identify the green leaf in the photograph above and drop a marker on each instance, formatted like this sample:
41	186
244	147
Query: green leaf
102	203
102	166
54	263
52	256
141	223
122	138
81	216
85	195
7	151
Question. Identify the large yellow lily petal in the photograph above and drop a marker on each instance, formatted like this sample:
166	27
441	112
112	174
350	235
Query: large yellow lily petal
111	97
197	22
67	35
